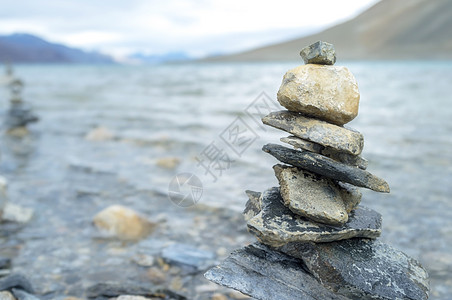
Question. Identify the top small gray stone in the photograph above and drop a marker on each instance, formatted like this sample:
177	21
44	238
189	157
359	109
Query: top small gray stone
320	53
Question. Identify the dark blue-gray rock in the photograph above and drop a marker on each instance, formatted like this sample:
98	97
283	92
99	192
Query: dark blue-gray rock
339	138
253	205
22	295
363	269
189	257
107	290
321	53
276	225
348	159
18	281
19	115
327	167
5	263
266	274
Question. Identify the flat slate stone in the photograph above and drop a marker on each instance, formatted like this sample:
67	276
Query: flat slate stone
363	269
266	274
253	205
327	167
310	195
276	225
340	138
322	53
348	159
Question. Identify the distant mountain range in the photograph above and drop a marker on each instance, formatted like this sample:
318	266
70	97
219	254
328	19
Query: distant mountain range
27	48
414	29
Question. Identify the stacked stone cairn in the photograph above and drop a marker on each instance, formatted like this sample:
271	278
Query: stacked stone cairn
315	240
20	113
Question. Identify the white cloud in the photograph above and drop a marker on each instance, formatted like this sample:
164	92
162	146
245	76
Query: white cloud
196	26
90	38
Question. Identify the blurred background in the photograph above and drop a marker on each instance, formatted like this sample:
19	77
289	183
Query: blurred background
129	94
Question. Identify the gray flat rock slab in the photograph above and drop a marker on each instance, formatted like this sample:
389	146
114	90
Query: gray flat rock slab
266	274
327	167
348	159
363	269
340	138
276	225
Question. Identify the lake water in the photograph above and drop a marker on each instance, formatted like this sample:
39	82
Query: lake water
178	111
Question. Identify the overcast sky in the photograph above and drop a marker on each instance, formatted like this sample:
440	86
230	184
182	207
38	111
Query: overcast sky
198	27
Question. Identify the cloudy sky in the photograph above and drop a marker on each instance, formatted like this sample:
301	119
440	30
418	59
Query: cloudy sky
197	27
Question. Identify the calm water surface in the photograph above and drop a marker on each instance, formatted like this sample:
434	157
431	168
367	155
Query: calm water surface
178	110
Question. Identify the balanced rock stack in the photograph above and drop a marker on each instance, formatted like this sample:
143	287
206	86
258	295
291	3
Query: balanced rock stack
20	113
315	240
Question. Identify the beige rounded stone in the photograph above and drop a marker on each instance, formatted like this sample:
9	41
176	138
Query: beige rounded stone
123	223
18	132
99	134
168	162
329	93
6	295
311	196
218	296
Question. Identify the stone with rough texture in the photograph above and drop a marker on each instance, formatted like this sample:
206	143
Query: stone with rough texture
310	195
348	159
321	53
363	269
276	225
123	222
266	274
253	205
327	167
337	137
328	93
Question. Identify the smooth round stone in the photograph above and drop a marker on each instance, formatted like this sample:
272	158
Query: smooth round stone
329	93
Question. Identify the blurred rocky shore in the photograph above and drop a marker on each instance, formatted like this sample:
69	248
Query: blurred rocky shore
69	238
115	137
